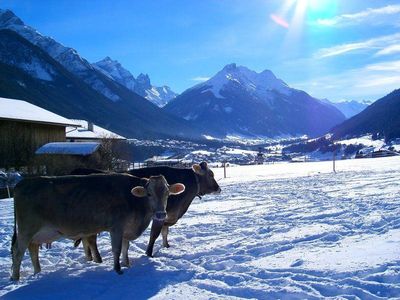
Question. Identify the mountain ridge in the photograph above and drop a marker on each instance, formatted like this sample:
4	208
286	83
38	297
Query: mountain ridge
381	117
237	100
141	85
69	96
75	63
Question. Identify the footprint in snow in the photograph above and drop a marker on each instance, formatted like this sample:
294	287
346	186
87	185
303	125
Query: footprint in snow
297	263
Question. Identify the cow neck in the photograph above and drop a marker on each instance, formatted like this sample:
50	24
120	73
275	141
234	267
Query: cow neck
198	184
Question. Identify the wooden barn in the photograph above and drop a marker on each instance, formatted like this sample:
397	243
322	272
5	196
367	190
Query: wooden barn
24	128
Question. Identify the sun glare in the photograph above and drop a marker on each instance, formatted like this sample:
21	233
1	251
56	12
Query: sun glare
318	8
301	4
294	13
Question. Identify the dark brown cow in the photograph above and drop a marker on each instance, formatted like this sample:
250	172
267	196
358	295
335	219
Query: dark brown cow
199	181
47	208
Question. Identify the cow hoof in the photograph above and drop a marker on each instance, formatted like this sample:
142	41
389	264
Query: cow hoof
166	245
98	260
126	264
119	272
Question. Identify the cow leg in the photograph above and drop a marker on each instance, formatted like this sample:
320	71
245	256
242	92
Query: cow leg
116	245
164	233
154	234
34	253
86	249
125	258
93	251
18	251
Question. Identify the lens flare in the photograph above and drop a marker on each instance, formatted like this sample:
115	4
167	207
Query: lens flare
279	20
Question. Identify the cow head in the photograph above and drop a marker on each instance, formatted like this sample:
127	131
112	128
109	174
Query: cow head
158	191
206	180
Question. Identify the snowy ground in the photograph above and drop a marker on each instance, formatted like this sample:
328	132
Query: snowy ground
282	231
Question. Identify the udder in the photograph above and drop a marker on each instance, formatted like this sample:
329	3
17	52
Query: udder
46	235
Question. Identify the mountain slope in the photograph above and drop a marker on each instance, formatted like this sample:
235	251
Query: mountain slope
66	56
160	96
350	108
382	116
238	101
29	73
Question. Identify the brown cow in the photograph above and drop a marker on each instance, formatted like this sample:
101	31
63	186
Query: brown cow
47	208
199	181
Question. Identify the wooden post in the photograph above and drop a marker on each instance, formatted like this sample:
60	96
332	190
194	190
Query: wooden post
334	161
8	191
224	169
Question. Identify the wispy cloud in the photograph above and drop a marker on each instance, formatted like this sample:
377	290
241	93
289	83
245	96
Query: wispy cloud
369	82
377	44
374	16
393	65
392	49
200	78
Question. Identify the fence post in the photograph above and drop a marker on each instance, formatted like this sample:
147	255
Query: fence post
8	191
224	169
334	161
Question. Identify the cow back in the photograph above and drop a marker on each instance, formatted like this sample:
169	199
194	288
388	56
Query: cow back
79	201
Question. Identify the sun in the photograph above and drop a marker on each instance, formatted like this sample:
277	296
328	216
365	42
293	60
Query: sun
302	4
295	14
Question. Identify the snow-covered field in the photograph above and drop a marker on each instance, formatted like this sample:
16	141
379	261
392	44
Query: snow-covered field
282	231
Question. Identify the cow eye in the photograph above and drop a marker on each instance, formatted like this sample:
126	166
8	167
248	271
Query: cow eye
148	195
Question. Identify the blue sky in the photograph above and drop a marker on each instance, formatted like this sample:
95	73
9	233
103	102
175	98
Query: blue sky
335	49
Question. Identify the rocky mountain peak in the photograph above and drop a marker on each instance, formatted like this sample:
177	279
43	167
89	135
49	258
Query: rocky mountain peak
144	81
230	67
243	78
8	18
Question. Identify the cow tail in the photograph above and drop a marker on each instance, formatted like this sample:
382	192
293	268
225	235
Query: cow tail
14	237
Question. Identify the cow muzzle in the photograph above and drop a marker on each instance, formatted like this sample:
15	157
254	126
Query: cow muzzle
160	216
218	191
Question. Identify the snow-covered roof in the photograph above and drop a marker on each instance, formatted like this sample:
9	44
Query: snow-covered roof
85	133
69	148
19	110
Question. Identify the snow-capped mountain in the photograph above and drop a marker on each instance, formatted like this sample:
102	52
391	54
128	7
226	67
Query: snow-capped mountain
114	70
350	108
239	101
160	96
66	56
259	84
27	72
73	62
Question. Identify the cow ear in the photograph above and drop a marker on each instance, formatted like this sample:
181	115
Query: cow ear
139	191
176	188
197	169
